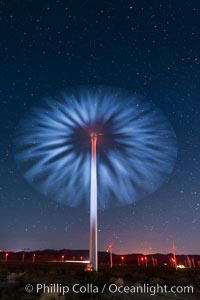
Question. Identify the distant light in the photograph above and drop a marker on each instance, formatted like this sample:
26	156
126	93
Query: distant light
173	259
180	266
78	261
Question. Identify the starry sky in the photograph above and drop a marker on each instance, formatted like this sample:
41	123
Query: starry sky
150	47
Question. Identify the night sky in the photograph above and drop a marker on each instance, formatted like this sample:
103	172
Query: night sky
149	47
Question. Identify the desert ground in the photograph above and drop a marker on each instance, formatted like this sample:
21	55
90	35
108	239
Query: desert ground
46	281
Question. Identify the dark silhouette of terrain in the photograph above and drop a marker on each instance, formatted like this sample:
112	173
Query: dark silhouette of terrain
49	269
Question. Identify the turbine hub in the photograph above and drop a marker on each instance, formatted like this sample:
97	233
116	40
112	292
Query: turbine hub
93	136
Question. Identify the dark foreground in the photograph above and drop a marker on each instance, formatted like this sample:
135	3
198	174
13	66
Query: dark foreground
60	281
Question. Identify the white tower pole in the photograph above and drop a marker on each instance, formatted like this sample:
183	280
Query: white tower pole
174	254
111	261
93	205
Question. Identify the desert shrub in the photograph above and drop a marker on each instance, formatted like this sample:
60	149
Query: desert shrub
13	277
156	280
117	280
52	296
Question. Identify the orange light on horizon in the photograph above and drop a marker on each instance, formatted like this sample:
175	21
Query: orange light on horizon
122	260
34	255
6	256
173	259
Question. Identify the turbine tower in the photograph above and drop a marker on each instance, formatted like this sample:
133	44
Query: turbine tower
49	137
93	205
174	254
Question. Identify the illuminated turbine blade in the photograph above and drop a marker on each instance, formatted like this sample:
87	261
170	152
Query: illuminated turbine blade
136	152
